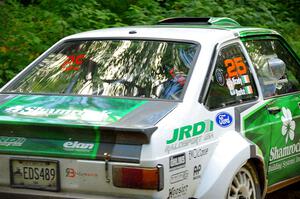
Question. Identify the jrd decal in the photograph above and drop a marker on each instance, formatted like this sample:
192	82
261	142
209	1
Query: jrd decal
192	141
189	131
190	135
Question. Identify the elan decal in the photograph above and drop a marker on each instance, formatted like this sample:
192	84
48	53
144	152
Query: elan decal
190	134
284	156
224	119
78	146
11	141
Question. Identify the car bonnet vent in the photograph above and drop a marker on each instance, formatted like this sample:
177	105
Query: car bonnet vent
221	21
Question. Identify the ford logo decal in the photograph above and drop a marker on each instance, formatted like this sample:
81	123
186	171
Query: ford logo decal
224	119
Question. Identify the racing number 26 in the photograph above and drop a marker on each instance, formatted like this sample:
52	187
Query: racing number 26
235	67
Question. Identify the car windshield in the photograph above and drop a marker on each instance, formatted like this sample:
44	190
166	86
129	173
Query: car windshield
125	68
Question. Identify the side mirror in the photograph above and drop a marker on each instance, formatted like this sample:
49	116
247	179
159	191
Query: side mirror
276	67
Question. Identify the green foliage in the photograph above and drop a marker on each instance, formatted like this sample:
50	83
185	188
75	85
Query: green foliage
28	29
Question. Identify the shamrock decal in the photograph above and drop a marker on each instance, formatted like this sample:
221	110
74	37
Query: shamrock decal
289	124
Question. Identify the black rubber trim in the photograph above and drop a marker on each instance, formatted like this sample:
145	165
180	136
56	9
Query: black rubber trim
185	20
253	151
237	114
161	177
109	134
82	133
57	45
206	83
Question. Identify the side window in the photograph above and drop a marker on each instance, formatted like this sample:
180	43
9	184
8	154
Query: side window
277	70
231	82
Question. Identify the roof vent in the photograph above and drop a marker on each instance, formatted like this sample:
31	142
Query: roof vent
220	21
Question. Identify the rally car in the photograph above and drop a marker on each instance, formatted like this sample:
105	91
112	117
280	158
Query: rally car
188	108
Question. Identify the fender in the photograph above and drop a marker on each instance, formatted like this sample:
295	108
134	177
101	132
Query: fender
232	152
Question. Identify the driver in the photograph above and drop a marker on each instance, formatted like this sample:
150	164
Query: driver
174	85
176	78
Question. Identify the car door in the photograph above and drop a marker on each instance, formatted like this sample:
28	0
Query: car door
278	72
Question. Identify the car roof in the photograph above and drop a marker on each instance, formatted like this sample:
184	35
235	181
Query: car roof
203	30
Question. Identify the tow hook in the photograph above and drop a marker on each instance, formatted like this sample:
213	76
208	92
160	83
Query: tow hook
106	158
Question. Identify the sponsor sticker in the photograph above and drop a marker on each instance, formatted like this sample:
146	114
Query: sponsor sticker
11	141
73	173
283	156
178	177
178	192
197	153
244	79
78	146
190	134
59	113
197	171
220	77
177	161
247	90
224	119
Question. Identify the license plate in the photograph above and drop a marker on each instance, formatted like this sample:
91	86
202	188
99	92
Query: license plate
35	174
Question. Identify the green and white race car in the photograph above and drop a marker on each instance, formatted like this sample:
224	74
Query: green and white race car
188	108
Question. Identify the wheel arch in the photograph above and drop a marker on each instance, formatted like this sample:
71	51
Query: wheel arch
232	152
260	169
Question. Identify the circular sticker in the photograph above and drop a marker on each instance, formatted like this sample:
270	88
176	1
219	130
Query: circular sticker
220	77
224	119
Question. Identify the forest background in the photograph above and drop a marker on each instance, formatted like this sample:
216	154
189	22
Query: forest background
29	27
